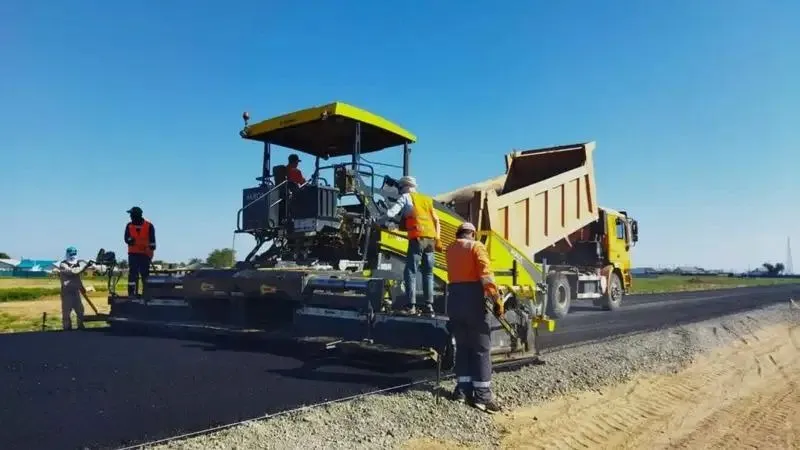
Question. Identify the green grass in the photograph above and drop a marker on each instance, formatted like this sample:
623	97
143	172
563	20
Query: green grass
13	323
26	289
677	283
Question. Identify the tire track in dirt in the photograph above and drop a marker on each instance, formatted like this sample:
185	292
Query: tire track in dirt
743	395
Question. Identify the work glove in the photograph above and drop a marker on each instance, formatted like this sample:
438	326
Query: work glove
499	308
437	245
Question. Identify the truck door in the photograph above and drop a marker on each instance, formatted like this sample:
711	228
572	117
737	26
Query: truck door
618	241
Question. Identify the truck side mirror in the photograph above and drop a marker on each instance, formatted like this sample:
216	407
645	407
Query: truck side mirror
635	230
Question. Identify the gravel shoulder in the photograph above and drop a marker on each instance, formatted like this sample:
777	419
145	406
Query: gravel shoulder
414	420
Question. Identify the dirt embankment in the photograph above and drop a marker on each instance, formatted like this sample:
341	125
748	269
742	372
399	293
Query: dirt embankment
745	395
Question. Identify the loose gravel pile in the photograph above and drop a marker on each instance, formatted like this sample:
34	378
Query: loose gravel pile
386	421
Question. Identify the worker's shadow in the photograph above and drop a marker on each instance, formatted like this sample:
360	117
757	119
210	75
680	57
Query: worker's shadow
229	344
335	370
316	359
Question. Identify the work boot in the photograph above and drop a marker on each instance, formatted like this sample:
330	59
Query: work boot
426	310
460	395
410	309
490	407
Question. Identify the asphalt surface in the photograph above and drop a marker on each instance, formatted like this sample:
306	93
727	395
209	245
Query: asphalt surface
650	312
96	390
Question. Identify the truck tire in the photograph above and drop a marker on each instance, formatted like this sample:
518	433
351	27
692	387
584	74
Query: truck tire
559	296
612	299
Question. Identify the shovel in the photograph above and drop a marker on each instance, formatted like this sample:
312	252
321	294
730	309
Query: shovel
97	316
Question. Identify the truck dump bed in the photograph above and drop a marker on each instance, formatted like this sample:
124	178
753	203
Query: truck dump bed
545	195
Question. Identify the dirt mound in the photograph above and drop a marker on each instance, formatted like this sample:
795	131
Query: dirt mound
745	395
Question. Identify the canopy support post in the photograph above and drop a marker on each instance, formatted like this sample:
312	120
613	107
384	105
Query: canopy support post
406	159
357	149
265	169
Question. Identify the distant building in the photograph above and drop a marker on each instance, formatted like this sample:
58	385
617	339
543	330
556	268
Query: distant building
7	266
689	270
35	267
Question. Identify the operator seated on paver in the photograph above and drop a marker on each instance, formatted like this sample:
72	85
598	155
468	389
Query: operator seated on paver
69	272
470	282
293	173
423	228
140	235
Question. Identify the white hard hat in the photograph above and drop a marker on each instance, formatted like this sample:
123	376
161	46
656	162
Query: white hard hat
466	226
407	181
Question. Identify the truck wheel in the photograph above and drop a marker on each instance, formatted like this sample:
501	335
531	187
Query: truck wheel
558	296
612	299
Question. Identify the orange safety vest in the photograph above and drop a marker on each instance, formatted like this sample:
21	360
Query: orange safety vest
419	222
141	239
468	262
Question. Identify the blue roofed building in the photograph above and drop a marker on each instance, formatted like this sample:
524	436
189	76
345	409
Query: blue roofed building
7	267
35	268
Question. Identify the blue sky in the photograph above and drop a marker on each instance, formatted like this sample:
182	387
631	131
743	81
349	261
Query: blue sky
105	105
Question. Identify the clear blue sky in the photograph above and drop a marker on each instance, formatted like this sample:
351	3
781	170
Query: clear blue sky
106	105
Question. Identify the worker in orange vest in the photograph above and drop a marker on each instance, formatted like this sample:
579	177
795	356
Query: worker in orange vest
140	235
423	228
293	173
470	282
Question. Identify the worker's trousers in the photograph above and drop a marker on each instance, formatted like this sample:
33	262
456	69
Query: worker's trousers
138	266
469	323
419	251
71	301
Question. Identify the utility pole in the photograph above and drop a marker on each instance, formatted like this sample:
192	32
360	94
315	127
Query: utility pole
788	269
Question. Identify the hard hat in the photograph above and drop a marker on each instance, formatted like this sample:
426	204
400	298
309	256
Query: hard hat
71	251
135	210
466	226
407	181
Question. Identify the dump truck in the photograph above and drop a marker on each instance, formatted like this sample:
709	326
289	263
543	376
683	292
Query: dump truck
325	272
546	205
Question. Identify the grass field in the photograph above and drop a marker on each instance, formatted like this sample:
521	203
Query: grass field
24	301
677	283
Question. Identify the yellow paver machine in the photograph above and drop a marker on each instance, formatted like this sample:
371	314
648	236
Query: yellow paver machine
326	271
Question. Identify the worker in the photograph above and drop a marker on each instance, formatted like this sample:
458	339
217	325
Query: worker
69	271
470	282
293	173
140	235
423	228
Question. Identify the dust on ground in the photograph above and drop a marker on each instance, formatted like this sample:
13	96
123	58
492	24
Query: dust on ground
744	395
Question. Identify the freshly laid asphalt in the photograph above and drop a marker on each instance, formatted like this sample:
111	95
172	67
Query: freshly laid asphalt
98	390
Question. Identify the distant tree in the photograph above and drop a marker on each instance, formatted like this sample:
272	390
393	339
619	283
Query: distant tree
122	264
4	255
221	257
773	270
194	261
